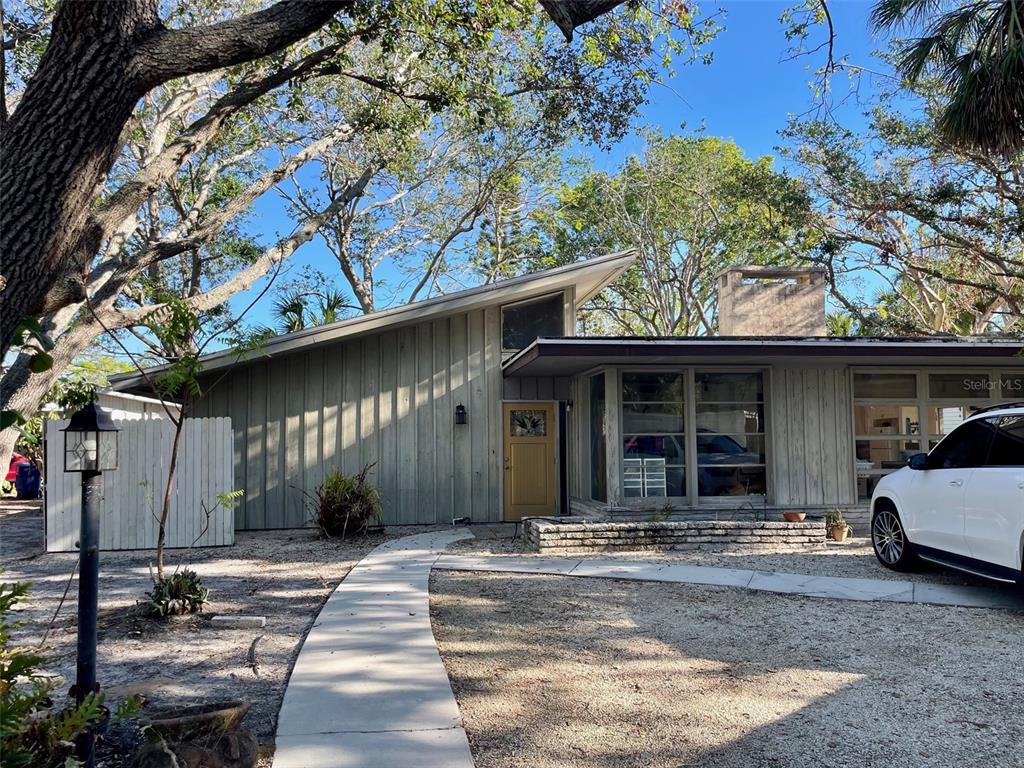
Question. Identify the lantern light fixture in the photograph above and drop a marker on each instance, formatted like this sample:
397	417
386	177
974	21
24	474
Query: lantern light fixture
460	414
90	440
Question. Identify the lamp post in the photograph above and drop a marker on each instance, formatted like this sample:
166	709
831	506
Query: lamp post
90	448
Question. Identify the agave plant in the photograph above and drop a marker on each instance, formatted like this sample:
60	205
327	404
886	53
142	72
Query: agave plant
977	50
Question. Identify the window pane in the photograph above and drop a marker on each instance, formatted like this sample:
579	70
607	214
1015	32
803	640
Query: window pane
729	387
730	418
958	385
1011	386
896	386
731	481
522	324
886	420
966	446
528	423
730	449
652	387
648	417
598	447
884	454
668	447
944	419
1008	445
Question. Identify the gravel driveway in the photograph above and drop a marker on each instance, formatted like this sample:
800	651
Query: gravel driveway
554	672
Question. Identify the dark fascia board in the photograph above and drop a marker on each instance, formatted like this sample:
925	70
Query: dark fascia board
638	348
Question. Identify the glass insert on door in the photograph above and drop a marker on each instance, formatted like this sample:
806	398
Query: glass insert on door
528	423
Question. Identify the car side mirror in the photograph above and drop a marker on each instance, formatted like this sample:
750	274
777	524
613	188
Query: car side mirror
918	461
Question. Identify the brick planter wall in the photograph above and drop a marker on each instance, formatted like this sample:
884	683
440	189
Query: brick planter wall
568	535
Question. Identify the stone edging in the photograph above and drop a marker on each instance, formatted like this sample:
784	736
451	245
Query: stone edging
571	535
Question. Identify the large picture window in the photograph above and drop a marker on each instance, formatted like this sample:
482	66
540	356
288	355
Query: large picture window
898	414
653	435
730	434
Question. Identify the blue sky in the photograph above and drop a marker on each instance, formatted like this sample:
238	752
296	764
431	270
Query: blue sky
747	94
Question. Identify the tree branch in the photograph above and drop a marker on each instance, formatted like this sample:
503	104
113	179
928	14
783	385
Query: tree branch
167	54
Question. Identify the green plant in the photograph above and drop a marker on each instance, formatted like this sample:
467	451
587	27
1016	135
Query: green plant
32	732
835	519
660	514
183	592
345	504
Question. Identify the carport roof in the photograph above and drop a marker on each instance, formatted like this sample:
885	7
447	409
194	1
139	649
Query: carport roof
567	356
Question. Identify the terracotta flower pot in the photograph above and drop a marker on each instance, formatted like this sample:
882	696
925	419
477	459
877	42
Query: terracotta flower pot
794	517
839	532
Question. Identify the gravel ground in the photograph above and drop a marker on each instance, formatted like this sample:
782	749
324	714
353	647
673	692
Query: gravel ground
554	672
283	575
853	558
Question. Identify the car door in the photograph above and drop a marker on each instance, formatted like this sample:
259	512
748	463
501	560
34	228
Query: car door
994	498
937	493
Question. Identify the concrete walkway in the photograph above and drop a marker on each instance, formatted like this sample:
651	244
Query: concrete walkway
368	688
840	588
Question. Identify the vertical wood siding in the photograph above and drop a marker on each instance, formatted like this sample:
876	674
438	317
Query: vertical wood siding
810	431
386	399
132	493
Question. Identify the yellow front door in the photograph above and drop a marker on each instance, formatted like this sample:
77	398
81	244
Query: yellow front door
529	459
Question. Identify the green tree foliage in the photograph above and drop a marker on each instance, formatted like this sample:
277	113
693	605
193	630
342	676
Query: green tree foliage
918	236
690	207
977	49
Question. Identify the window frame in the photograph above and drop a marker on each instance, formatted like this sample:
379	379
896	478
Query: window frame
531	300
692	497
926	438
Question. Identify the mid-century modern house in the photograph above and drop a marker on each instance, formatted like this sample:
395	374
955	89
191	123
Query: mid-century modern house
484	404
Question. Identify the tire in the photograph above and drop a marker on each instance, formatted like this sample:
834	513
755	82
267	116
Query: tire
889	540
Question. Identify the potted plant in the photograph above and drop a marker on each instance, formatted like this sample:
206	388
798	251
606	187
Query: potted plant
836	526
794	516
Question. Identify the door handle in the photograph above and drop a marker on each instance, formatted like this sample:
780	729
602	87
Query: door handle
956	483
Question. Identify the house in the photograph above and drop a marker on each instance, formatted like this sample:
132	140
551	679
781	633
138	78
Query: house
483	404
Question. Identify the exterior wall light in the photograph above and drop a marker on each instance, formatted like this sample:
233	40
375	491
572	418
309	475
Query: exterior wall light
460	414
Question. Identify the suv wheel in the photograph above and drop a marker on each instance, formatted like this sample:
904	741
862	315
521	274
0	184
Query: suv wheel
889	539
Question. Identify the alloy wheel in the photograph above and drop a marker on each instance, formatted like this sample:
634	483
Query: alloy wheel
887	536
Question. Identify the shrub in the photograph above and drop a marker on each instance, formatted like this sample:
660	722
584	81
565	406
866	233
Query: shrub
32	732
346	505
182	593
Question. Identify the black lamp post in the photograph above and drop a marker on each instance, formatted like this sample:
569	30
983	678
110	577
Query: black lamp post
90	447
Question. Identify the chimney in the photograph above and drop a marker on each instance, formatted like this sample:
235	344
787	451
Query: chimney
771	301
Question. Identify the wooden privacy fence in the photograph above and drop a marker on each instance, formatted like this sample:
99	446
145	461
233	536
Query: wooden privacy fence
133	493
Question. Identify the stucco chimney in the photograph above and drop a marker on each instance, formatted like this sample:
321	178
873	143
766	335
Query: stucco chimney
771	301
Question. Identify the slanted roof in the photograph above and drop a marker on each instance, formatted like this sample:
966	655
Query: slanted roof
587	277
569	356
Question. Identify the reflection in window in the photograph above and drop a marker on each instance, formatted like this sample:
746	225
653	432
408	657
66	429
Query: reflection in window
730	434
653	428
885	386
524	323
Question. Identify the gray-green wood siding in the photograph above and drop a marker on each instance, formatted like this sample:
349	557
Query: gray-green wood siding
810	434
386	399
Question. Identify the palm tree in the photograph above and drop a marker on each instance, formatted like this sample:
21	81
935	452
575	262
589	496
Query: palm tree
296	311
977	49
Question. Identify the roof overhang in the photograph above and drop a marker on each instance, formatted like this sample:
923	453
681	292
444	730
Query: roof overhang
570	356
586	277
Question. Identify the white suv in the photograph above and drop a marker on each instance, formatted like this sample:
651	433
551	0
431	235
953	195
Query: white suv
962	505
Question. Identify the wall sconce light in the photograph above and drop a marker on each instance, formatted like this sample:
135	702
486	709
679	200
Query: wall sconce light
460	414
568	406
